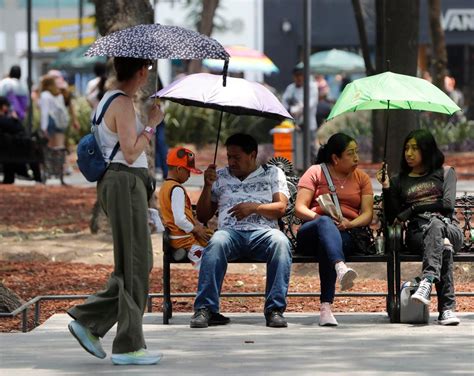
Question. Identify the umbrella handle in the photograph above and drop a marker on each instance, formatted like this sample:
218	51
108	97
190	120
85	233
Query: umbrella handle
218	135
224	76
384	169
384	163
157	100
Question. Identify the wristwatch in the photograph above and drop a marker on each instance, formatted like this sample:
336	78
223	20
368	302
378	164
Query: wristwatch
150	130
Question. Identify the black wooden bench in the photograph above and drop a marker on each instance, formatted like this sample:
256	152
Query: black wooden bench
289	224
392	258
464	212
20	148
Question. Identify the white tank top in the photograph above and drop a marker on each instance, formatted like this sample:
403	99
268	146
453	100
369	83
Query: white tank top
108	139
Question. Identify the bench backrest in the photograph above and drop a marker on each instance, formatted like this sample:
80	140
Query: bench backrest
289	223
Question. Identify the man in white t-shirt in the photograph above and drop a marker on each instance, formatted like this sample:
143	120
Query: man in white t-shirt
249	200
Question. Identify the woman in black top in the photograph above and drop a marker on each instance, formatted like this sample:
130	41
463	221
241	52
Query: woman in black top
424	194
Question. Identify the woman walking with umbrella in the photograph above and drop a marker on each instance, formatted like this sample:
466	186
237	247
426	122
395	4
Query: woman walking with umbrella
122	193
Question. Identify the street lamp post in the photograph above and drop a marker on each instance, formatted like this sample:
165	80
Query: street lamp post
29	56
307	139
81	15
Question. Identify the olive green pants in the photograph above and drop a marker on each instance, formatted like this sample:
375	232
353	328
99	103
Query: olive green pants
123	197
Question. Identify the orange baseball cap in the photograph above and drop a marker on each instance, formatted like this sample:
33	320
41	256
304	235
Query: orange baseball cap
182	157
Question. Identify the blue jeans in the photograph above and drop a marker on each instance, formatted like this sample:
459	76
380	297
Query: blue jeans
161	149
269	245
321	237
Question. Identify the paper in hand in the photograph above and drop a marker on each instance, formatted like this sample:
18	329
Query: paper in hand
326	203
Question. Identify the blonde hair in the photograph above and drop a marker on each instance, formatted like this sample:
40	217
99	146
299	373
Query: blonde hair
48	83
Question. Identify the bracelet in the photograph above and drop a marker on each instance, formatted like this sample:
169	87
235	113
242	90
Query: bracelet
150	130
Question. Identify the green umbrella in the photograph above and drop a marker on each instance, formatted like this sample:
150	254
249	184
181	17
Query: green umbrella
334	62
392	91
75	60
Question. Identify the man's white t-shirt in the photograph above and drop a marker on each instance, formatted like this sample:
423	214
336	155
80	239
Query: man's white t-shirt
260	186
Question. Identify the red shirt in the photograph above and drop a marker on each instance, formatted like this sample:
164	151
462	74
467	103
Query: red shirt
350	197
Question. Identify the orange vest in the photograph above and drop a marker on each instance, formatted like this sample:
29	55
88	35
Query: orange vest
188	239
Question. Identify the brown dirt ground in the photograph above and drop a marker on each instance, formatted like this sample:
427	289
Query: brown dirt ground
46	249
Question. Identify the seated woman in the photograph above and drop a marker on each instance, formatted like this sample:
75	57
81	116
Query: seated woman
323	235
424	194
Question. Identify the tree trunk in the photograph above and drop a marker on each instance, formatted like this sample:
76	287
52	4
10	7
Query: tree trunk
114	15
363	37
204	26
378	134
401	46
9	301
439	58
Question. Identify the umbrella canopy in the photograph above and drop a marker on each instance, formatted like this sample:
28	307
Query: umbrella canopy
74	59
392	91
244	59
239	97
335	62
155	41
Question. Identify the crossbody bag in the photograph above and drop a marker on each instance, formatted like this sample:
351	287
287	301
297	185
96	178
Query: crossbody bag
362	237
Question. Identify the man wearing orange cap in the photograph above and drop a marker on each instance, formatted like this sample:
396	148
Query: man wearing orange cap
185	231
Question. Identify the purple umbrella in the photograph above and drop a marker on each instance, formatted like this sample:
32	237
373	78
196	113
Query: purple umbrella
238	97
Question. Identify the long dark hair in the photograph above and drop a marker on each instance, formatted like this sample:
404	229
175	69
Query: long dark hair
431	157
336	144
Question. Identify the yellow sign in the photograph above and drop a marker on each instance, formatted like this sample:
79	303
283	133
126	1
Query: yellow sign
64	32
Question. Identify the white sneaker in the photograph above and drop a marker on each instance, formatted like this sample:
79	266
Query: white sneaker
86	339
448	317
345	276
423	292
326	318
140	357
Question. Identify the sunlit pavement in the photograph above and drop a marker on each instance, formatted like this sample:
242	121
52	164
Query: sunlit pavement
362	344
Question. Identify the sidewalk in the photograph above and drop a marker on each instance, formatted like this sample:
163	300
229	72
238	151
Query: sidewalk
363	344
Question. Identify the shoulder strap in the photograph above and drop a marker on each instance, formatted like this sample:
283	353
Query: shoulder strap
332	188
97	120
